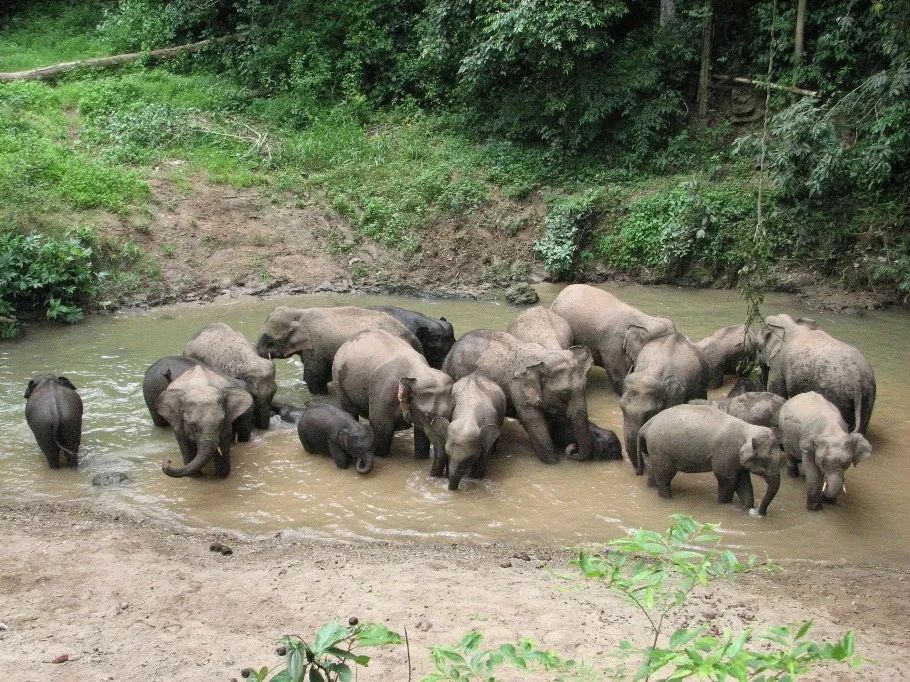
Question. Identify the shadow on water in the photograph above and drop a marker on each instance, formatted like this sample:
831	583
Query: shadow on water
275	485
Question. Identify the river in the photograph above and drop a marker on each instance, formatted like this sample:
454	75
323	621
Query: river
276	486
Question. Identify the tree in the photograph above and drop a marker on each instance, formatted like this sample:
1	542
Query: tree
667	12
704	76
798	45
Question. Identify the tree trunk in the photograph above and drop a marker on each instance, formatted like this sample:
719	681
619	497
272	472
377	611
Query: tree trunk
704	77
798	44
50	72
667	12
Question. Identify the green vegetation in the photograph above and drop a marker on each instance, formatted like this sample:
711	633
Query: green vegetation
655	573
401	116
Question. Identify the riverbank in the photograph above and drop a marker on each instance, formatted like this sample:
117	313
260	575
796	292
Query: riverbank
117	594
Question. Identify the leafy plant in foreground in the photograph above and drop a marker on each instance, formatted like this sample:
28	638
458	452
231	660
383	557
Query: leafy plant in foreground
656	573
328	658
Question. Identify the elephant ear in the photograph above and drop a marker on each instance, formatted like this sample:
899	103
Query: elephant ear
862	449
489	434
169	406
635	338
807	447
747	452
440	426
583	357
674	391
529	380
236	402
773	340
405	391
63	381
29	388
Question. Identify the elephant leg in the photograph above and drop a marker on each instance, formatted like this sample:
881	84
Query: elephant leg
725	488
792	467
383	432
479	468
662	483
49	448
538	433
243	428
813	485
421	444
222	462
315	375
744	489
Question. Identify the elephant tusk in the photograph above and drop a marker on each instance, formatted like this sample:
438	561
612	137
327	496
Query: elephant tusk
844	489
824	486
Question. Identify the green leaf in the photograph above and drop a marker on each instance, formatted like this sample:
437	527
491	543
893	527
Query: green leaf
683	636
359	659
376	634
296	665
329	635
316	676
804	628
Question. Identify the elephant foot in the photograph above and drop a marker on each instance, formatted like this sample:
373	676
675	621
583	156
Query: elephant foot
664	492
573	453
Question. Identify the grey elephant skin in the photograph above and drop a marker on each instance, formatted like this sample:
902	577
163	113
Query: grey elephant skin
436	336
325	429
760	408
727	350
612	330
162	372
316	334
701	438
201	406
746	384
542	386
53	411
480	408
381	377
543	326
230	352
799	357
670	370
815	435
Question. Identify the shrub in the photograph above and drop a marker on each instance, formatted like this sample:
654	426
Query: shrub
565	228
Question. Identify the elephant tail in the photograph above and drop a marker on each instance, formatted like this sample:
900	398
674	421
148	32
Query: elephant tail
642	446
858	411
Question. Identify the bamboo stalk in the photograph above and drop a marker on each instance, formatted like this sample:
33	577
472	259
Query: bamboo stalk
765	84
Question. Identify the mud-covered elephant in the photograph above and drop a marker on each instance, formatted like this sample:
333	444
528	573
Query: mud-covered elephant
543	326
383	378
816	436
701	438
480	408
799	357
612	330
668	371
316	334
727	351
540	384
53	411
230	352
201	406
436	336
162	372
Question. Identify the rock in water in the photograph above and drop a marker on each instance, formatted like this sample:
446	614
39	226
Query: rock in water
110	478
522	294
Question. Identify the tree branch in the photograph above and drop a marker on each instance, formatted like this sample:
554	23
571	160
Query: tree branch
55	70
726	78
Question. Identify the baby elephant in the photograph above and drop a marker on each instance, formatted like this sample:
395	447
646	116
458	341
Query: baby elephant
701	438
480	407
54	414
325	429
760	408
814	433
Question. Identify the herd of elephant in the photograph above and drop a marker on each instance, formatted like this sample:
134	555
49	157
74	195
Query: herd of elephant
400	369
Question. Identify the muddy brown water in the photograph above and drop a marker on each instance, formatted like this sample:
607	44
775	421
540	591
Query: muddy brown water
276	486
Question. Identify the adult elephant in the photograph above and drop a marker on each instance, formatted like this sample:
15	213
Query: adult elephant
541	385
543	326
798	357
230	352
201	406
612	330
669	371
316	334
163	372
727	350
381	377
436	336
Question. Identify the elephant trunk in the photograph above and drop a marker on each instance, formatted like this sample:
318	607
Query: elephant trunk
630	429
584	439
365	463
456	473
204	452
832	487
773	482
262	413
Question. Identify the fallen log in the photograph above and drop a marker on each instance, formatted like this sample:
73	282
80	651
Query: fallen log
723	78
55	70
